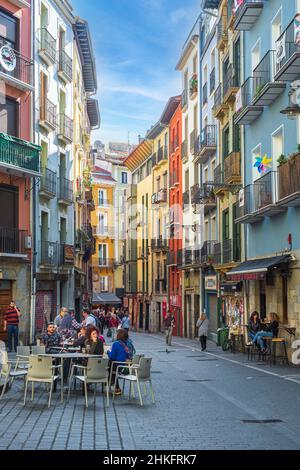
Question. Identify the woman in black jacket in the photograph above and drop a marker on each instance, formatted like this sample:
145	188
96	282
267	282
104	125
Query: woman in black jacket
254	325
93	344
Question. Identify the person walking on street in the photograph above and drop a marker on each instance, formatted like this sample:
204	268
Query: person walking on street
11	325
125	322
169	325
202	325
114	323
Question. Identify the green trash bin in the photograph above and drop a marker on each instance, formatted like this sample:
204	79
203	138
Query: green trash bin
222	336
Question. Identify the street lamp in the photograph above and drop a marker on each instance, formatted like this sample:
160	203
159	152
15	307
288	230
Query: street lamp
292	111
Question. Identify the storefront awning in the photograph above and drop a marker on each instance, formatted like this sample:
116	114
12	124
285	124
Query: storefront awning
256	269
106	298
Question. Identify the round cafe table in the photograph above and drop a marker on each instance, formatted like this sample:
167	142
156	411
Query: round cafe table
62	357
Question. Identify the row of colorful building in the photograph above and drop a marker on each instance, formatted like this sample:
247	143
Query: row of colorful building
48	109
213	221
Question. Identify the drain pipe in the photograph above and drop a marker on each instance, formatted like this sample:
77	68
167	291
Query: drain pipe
33	193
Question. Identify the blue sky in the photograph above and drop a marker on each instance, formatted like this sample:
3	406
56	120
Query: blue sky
137	44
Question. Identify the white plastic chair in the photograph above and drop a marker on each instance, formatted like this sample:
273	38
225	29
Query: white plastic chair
40	370
36	350
140	373
95	372
7	372
135	361
2	346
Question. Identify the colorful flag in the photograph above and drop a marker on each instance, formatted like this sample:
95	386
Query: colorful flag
280	49
297	30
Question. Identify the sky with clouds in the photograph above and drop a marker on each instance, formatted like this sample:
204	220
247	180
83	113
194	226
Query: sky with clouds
137	44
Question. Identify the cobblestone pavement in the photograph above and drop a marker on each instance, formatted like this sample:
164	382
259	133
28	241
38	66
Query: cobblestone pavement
202	402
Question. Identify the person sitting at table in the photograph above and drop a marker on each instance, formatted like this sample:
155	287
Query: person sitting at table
120	352
254	325
51	339
270	331
129	344
93	344
82	337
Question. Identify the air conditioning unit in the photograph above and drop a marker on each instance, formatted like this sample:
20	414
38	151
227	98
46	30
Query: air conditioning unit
28	243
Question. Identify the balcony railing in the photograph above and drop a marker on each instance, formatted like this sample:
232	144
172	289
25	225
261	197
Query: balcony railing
193	85
218	97
248	112
232	168
47	47
154	160
65	190
212	80
218	174
65	66
174	178
104	231
48	114
204	94
184	98
247	14
208	252
209	137
265	88
48	253
22	73
187	257
222	33
260	199
162	196
48	182
19	155
12	241
65	128
159	244
184	153
230	81
162	154
103	262
231	250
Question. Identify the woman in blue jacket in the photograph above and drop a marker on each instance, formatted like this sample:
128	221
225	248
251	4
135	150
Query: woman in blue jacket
120	352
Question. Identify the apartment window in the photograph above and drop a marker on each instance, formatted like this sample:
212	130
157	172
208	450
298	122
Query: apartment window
213	228
8	30
206	174
195	64
186	129
255	153
9	117
102	223
225	142
158	183
101	197
276	27
206	230
9	199
165	177
124	177
255	55
104	283
186	180
196	117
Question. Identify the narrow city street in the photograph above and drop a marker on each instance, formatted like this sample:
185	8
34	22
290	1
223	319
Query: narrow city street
209	400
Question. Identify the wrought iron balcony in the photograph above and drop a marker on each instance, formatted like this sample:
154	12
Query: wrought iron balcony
66	255
48	183
218	174
228	251
208	252
48	115
248	111
265	89
65	67
104	231
288	63
12	241
230	84
260	200
18	70
222	33
219	107
103	263
48	254
211	4
162	154
65	129
65	191
207	143
203	197
247	13
154	160
193	138
47	46
160	197
18	156
159	244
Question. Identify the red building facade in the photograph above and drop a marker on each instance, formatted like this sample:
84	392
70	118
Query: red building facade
175	206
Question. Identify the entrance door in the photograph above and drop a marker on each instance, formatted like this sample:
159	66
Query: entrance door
5	299
147	317
212	312
141	317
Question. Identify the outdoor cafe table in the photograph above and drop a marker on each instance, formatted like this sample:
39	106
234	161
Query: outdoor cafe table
63	356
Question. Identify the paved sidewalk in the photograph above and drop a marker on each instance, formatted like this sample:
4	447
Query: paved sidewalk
202	402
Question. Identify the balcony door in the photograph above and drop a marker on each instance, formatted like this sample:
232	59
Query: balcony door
9	239
236	230
103	254
9	117
102	224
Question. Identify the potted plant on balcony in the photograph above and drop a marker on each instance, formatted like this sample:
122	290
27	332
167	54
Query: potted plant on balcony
194	84
281	160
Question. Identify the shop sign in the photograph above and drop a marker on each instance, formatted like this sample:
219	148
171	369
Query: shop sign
247	277
8	58
69	254
210	282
